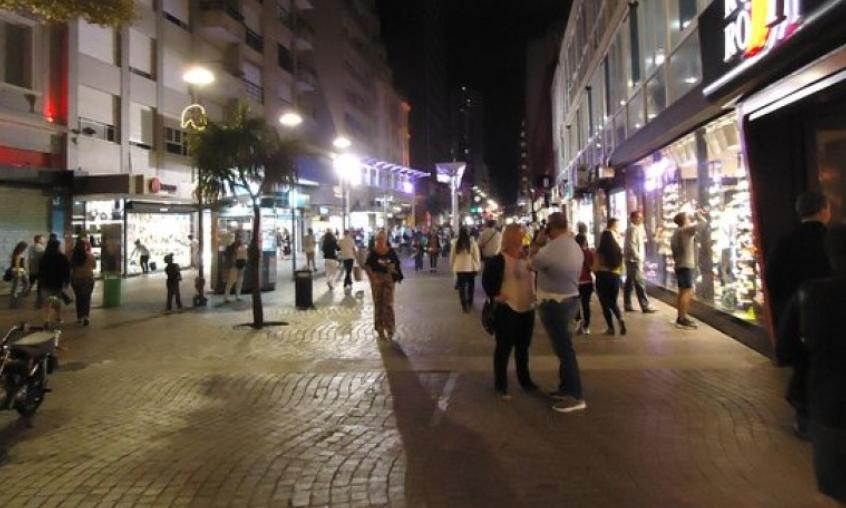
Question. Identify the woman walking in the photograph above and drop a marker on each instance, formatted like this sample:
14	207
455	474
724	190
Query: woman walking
465	262
82	279
53	276
238	254
20	279
585	285
608	267
383	269
508	282
330	249
434	247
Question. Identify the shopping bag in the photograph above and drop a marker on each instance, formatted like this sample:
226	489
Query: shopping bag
357	273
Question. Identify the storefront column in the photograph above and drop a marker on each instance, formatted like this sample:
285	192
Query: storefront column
705	289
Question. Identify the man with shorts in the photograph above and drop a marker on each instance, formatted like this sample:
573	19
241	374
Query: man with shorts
682	245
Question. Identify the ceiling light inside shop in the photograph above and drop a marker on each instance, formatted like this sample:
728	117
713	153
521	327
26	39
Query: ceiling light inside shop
659	58
690	80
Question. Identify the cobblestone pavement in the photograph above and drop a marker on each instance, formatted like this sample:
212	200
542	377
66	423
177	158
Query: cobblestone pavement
185	409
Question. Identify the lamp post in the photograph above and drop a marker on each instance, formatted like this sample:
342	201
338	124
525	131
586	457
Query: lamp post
197	77
450	173
347	167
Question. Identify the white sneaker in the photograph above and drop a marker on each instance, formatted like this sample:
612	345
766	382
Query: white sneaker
586	331
569	405
580	330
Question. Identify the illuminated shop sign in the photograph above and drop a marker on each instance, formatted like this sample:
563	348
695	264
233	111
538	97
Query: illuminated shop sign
753	27
735	35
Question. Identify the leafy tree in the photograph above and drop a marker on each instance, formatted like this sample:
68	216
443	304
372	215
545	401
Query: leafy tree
99	12
244	156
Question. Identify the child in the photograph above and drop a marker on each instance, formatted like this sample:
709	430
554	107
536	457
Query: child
173	278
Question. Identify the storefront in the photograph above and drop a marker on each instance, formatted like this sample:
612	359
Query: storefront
786	76
32	202
114	211
704	171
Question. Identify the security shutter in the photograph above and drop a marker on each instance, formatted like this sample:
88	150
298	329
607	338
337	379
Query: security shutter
24	213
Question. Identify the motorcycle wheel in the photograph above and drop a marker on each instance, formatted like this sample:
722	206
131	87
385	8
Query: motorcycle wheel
34	398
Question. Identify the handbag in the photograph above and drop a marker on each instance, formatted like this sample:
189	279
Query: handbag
489	316
7	276
357	273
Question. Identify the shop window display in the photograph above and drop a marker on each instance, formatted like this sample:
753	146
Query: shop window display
705	171
162	234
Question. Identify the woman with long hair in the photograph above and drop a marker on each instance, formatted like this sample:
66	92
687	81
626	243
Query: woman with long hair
608	268
383	269
434	248
329	247
509	283
82	279
20	280
53	276
465	262
585	285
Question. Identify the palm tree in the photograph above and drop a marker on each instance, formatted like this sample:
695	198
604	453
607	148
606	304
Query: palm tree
244	156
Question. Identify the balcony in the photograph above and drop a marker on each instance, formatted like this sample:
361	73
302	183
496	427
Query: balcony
305	35
221	21
306	78
254	40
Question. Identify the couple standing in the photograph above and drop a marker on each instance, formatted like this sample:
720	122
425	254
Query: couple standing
508	280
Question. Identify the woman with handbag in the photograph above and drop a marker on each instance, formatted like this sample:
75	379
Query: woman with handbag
608	268
510	287
18	276
465	262
383	269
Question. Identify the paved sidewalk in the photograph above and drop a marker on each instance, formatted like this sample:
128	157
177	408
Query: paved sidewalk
186	410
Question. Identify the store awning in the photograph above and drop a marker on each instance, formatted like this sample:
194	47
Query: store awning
395	168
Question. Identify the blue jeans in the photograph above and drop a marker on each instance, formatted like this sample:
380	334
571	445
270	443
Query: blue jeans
557	319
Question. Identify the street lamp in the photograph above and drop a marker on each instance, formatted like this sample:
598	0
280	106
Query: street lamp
341	143
291	119
348	168
197	77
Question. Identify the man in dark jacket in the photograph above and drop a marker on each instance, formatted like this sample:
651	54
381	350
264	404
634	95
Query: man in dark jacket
798	258
823	336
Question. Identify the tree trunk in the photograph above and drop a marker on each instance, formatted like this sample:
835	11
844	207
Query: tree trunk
255	261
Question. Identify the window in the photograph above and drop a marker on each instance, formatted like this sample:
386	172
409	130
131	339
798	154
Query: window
620	127
284	58
99	42
140	125
681	14
652	33
616	73
16	54
142	54
685	67
99	110
597	98
635	47
656	94
636	120
176	141
177	12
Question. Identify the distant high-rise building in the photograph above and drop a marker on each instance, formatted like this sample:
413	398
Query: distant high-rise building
468	135
418	57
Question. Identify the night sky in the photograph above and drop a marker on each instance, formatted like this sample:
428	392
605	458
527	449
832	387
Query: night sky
486	51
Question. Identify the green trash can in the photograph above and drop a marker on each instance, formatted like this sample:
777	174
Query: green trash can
112	290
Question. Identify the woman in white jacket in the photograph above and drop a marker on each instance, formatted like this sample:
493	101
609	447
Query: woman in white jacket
465	262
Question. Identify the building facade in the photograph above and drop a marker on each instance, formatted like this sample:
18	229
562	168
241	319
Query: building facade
93	138
723	106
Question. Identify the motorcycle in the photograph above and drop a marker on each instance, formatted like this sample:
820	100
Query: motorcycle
27	356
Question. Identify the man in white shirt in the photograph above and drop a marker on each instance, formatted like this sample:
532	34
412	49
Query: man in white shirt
347	256
634	253
489	240
559	265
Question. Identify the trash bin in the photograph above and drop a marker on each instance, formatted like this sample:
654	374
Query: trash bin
112	290
302	289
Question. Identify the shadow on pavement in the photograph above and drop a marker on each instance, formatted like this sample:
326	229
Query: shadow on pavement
447	464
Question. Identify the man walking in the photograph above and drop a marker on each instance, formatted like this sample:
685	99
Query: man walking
347	246
36	252
798	258
683	247
558	265
489	240
634	253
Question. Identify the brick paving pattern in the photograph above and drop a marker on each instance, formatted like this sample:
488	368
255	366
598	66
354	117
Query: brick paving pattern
187	410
